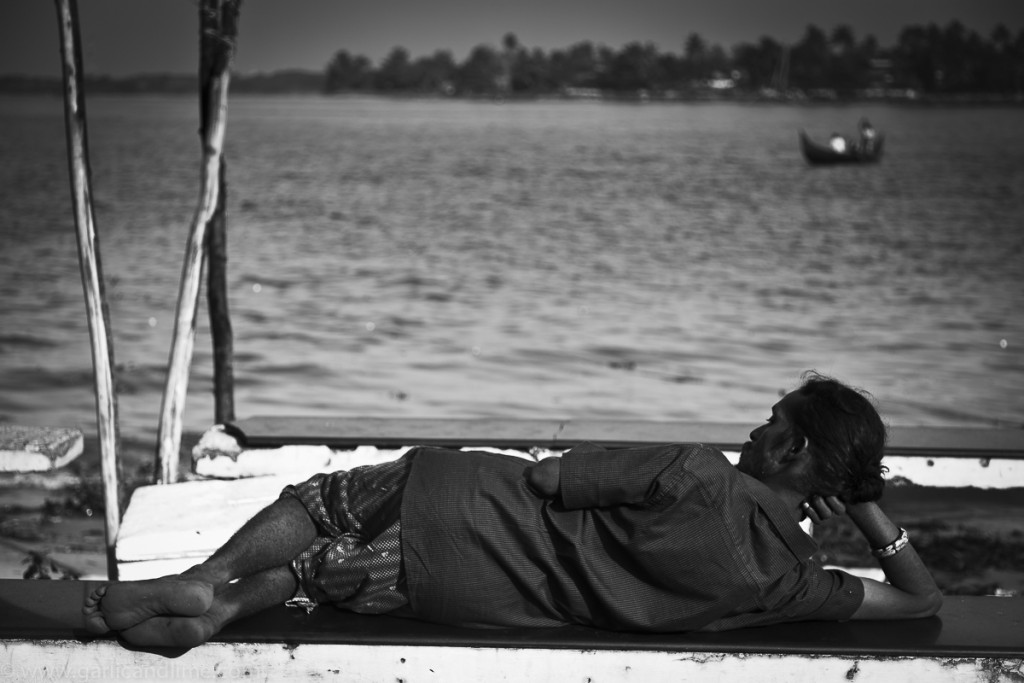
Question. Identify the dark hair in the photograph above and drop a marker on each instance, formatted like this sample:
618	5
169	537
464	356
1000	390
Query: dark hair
847	439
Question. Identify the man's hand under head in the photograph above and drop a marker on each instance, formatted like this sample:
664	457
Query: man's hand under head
819	509
543	478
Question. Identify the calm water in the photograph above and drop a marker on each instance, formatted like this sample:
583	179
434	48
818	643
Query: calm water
452	259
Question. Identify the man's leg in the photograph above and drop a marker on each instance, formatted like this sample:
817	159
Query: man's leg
270	540
232	601
273	538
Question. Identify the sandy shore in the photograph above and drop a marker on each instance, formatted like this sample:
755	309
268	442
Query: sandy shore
49	529
972	539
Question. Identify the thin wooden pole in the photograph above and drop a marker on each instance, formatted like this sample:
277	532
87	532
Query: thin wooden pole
211	52
183	341
92	273
220	316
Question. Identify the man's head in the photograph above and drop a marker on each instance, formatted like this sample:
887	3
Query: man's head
827	433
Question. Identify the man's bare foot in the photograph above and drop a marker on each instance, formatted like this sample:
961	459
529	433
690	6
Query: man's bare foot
171	631
94	622
164	631
118	606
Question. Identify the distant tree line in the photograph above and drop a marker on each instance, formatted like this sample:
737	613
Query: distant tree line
926	59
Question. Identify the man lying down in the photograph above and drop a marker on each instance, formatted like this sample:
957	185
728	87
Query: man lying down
657	538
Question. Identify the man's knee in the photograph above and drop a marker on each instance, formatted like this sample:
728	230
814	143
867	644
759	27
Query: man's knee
291	512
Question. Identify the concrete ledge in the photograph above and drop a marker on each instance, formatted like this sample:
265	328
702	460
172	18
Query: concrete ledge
108	661
38	449
42	636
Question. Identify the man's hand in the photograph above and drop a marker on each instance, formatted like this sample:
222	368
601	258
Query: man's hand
819	509
543	478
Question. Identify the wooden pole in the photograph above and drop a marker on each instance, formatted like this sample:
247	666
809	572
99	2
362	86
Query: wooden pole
92	273
220	316
216	241
183	341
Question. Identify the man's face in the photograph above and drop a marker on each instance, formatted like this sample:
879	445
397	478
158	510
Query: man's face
759	457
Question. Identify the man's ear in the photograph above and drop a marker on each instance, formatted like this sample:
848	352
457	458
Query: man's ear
798	450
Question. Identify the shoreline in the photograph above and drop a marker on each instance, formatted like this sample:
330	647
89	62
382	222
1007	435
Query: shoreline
187	86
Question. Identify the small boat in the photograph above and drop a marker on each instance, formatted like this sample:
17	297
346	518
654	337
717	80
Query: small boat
818	154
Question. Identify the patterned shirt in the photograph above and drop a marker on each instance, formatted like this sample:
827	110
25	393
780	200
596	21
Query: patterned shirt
665	538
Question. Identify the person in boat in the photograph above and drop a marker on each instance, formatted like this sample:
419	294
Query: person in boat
868	137
838	143
664	538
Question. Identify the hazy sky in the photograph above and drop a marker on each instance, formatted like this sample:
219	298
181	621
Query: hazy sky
144	36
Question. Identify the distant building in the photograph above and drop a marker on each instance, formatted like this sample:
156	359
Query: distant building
880	73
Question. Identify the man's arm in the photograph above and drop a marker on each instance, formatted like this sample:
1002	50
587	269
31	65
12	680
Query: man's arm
911	592
544	477
589	476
